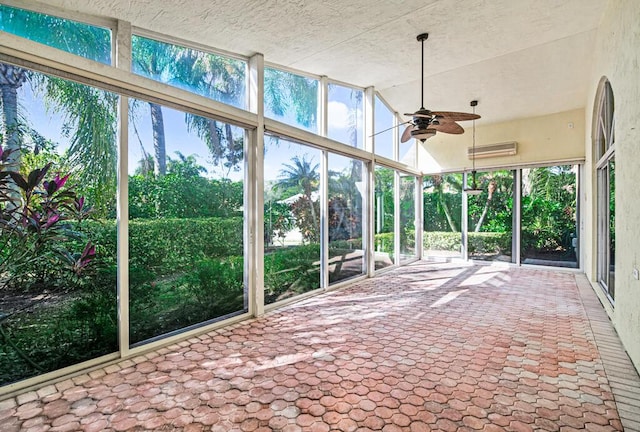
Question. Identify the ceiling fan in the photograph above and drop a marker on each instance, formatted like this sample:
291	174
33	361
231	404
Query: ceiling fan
425	123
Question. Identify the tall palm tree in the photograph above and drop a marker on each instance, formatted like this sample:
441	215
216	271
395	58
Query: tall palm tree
11	79
155	59
222	79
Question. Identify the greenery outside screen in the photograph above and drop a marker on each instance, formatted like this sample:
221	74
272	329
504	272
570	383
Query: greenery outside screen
291	99
490	217
346	218
443	215
384	217
549	216
85	40
211	75
291	219
407	218
57	254
186	229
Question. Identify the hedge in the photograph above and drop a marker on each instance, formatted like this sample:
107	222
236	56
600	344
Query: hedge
479	242
168	245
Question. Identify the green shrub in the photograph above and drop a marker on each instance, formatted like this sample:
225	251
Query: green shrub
442	241
216	287
211	289
489	243
384	242
166	246
290	271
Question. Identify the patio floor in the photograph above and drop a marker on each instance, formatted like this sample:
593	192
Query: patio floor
426	347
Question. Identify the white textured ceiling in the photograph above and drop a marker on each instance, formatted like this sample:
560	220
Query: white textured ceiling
519	58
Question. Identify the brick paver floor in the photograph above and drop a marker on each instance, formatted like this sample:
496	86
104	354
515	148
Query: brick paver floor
428	347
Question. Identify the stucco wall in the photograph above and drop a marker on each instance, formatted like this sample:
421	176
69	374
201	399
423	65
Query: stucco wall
553	137
616	57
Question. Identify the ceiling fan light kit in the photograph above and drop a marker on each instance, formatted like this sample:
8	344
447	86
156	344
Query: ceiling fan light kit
474	190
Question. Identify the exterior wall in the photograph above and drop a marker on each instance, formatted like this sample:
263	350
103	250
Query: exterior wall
548	138
616	57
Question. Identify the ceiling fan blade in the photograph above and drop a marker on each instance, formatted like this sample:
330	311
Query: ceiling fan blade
420	113
388	129
406	135
455	116
449	127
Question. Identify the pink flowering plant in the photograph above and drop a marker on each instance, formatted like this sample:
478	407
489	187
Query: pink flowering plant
37	238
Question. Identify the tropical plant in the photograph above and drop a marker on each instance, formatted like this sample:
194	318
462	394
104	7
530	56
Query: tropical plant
35	234
284	91
278	221
302	177
89	113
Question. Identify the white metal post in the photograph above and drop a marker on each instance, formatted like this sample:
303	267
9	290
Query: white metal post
464	220
324	220
517	218
254	191
323	129
396	217
123	61
419	223
368	244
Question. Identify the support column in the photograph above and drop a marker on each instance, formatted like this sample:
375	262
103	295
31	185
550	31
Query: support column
123	61
254	192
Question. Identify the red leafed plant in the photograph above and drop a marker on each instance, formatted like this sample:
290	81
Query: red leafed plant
35	228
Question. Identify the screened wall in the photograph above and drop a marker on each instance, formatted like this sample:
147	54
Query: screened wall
151	179
522	216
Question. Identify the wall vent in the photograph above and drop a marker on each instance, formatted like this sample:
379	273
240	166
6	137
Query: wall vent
493	150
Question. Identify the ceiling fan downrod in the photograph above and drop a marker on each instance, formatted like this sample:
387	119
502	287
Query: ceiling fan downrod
421	38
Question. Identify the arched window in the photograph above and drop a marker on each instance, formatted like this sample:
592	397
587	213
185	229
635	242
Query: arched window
604	154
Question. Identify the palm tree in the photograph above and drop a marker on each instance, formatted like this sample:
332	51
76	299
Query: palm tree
302	176
284	91
11	79
154	60
89	111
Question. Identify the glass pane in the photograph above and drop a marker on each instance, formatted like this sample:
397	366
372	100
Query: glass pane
214	76
186	228
291	219
407	153
491	217
612	228
346	118
407	218
384	210
346	216
443	215
549	225
291	99
58	257
383	120
77	38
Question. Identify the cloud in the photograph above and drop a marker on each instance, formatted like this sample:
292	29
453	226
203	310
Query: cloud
338	115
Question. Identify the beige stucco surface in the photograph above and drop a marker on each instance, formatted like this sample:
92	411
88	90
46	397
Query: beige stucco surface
617	57
543	139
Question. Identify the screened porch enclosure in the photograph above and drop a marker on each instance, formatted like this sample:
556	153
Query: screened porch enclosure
161	189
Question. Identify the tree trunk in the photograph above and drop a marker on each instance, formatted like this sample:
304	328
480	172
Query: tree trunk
482	216
230	150
159	146
11	139
447	213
